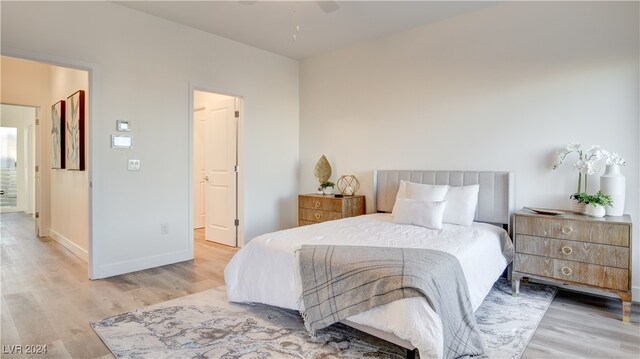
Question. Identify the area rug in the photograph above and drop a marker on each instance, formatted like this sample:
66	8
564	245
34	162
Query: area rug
205	325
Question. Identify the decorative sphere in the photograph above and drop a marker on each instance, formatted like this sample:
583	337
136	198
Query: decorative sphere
348	185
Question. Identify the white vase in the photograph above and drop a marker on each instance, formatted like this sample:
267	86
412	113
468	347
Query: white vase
594	211
327	190
612	182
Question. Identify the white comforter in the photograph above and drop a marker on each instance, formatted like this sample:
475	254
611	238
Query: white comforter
263	271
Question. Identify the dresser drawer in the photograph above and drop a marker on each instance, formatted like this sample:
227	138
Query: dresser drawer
612	256
584	231
326	204
570	271
314	208
312	215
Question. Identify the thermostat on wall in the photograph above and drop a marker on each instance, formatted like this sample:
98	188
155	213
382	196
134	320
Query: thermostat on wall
122	126
119	141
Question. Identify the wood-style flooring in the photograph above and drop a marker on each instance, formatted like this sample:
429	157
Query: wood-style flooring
47	299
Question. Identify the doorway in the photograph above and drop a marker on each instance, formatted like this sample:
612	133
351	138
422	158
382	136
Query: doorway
17	158
61	198
216	123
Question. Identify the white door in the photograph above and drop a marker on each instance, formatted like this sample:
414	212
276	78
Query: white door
200	171
220	175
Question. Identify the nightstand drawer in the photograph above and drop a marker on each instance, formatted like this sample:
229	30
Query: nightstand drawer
551	227
316	208
576	272
612	256
312	215
585	231
325	204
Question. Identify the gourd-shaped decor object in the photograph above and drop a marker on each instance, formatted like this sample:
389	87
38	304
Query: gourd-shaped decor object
323	170
348	185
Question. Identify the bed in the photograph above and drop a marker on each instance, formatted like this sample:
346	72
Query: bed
263	271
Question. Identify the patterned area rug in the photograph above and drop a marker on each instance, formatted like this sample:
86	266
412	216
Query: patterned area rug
204	325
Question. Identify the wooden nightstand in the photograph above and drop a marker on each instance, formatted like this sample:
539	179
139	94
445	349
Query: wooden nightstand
316	208
577	250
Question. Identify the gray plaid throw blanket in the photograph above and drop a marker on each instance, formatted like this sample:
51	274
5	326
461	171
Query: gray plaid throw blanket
341	281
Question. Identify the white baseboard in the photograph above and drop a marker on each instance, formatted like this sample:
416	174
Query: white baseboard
113	269
68	244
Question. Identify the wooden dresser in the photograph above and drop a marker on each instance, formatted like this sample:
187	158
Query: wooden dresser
316	208
577	250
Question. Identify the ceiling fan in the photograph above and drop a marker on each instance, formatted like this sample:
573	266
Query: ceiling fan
327	6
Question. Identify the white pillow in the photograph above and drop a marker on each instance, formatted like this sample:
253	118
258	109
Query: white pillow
419	191
426	192
402	190
462	203
427	214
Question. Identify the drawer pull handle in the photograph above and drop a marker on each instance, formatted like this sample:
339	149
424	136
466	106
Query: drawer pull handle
317	204
567	229
317	215
567	250
566	270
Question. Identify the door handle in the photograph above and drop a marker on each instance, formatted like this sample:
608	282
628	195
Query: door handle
206	178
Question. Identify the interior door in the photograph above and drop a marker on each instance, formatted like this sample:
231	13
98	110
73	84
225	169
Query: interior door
220	176
200	171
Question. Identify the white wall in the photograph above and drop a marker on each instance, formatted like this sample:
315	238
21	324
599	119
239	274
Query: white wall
141	70
69	209
498	89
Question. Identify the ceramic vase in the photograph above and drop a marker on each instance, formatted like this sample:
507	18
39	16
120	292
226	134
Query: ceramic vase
594	211
327	190
613	183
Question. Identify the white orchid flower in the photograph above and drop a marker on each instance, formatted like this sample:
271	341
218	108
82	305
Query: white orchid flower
615	159
572	147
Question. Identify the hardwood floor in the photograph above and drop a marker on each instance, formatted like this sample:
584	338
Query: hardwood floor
581	326
47	299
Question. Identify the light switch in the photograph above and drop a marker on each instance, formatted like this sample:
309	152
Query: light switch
133	165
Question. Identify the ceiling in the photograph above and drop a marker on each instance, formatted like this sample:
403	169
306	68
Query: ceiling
270	25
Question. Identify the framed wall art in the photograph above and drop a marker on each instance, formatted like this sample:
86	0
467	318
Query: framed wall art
57	135
74	133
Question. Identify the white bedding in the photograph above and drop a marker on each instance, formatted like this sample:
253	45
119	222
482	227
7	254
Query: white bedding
263	271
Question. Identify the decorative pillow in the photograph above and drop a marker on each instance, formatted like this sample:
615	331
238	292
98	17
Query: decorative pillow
427	214
462	203
422	192
402	190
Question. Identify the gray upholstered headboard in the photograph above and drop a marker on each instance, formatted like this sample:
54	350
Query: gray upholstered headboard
495	199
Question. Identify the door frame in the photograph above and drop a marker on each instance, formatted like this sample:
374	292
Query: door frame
45	181
194	86
36	149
